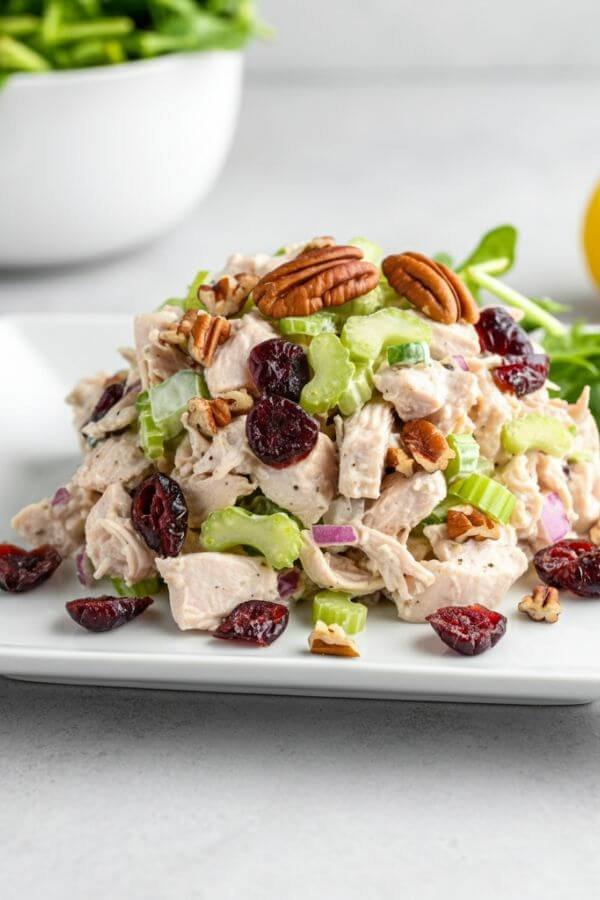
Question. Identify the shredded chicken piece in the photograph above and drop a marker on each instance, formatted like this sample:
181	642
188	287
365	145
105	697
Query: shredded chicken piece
365	440
112	543
60	524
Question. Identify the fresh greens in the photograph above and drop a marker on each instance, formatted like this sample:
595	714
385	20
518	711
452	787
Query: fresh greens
497	245
537	315
36	35
575	363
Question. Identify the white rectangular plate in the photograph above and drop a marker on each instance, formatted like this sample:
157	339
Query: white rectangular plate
40	359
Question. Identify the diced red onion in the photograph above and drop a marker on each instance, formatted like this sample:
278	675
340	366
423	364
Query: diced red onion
328	535
461	363
61	497
288	582
84	568
554	519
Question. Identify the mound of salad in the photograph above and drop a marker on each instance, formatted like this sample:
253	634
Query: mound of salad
38	35
329	425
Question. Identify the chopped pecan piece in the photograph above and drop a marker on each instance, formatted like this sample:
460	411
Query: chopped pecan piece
239	402
208	415
396	458
227	295
427	445
542	605
465	522
198	334
331	640
317	279
432	287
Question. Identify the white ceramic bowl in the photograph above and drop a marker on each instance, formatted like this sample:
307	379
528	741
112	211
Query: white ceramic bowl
95	161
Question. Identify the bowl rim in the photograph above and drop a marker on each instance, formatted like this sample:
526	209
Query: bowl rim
131	68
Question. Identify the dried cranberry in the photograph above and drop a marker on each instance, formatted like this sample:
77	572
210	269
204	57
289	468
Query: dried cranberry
255	621
105	613
111	395
160	514
573	565
499	333
279	367
521	375
22	570
468	629
279	432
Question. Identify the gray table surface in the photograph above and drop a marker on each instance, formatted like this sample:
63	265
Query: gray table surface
121	793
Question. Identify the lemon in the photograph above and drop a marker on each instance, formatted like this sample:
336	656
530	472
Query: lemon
591	235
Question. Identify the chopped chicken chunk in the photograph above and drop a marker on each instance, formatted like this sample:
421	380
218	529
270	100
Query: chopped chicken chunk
206	494
229	368
156	360
60	524
394	562
117	459
404	502
306	488
366	436
112	543
204	587
336	572
475	572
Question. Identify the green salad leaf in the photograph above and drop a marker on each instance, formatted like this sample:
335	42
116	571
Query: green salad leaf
36	35
498	244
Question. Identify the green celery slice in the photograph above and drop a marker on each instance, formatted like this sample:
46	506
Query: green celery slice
277	537
537	432
367	336
318	323
169	400
358	392
487	495
144	588
151	438
372	252
414	353
466	459
381	296
336	608
330	362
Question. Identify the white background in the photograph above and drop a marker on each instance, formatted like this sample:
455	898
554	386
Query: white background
419	124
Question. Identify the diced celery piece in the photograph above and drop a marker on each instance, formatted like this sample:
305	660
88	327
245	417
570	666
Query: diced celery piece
466	459
336	608
382	295
318	323
537	432
358	392
485	466
151	438
415	353
487	495
332	371
169	400
277	537
367	336
372	252
144	588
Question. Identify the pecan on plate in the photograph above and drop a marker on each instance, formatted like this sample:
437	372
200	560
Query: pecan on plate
427	445
317	279
331	640
227	295
198	334
432	287
465	522
542	605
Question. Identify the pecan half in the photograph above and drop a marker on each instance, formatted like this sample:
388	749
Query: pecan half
432	287
427	445
198	334
227	295
396	458
208	415
331	640
465	522
319	278
542	605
